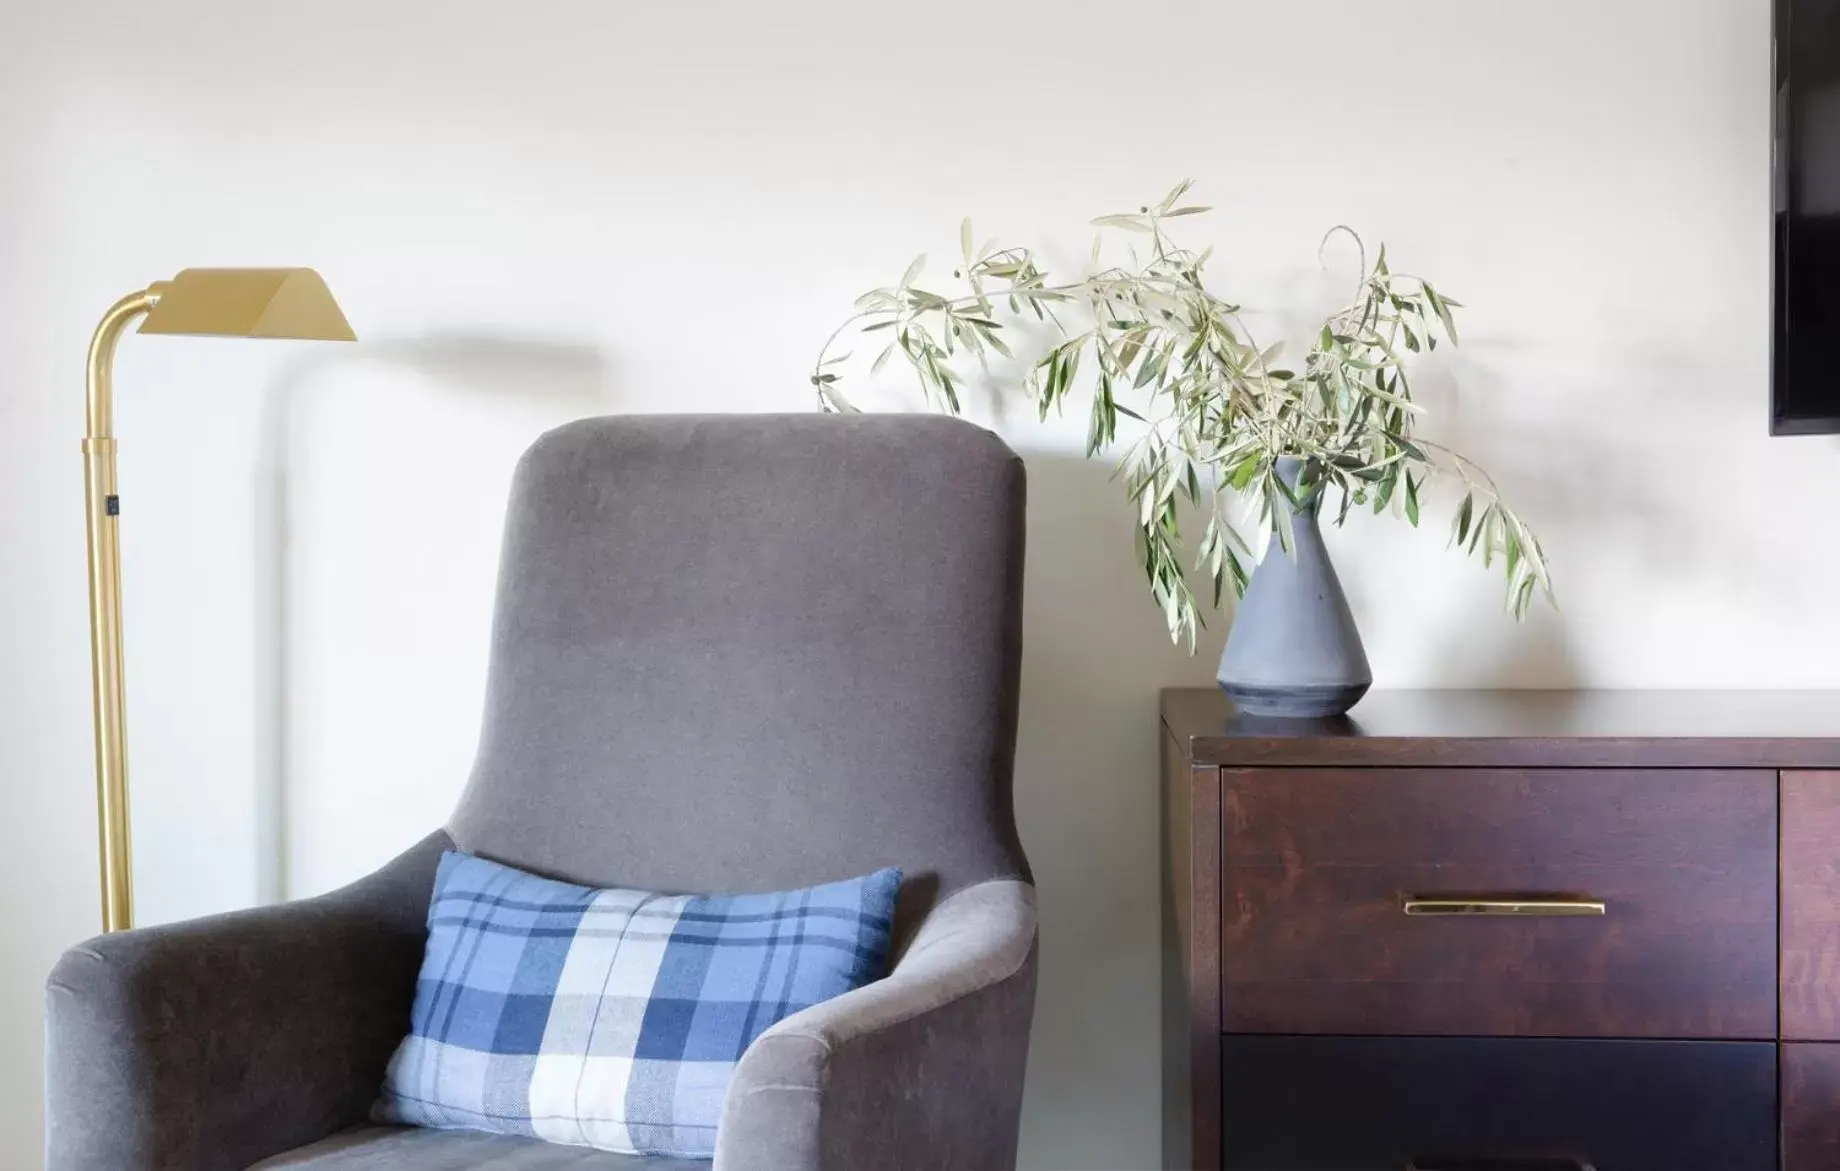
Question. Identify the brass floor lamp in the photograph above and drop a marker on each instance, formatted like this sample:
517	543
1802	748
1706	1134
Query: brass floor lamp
222	302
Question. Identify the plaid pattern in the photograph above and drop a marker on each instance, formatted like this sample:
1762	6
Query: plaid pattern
613	1018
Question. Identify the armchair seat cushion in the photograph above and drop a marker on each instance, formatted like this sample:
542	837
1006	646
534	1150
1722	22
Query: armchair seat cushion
614	1018
392	1148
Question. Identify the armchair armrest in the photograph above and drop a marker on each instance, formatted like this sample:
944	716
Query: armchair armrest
218	1042
920	1071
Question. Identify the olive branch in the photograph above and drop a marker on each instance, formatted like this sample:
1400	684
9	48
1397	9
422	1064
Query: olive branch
1216	410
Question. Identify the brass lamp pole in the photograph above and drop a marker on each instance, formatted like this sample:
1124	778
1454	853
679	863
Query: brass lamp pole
224	302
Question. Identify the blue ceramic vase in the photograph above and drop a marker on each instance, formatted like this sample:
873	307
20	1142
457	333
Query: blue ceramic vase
1294	650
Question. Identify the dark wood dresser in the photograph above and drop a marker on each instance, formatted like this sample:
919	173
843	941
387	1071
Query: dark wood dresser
1504	931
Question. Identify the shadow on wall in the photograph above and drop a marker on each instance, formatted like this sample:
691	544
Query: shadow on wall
1095	653
1538	654
503	368
562	378
1600	481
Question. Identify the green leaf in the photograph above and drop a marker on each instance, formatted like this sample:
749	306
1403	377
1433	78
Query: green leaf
1242	577
1276	496
964	238
1405	445
1480	536
1175	193
1148	370
1128	222
1070	364
948	383
1128	351
1442	308
1463	516
1185	211
832	402
881	359
1146	503
913	270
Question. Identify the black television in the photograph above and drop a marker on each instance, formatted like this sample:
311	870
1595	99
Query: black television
1805	374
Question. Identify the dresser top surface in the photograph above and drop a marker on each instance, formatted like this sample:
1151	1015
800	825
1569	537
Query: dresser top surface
1584	729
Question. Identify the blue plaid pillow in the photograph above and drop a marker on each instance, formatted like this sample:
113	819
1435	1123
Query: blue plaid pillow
613	1018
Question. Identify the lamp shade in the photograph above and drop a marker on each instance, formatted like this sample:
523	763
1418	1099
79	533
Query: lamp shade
248	302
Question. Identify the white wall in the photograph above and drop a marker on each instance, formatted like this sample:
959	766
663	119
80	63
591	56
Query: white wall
538	211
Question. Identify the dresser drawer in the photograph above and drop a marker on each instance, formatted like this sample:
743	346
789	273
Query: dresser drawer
1320	864
1810	1107
1463	1104
1811	907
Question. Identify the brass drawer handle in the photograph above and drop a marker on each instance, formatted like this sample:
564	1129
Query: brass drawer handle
1498	1165
1527	908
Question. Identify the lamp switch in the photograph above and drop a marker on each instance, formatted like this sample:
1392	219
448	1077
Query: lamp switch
112	505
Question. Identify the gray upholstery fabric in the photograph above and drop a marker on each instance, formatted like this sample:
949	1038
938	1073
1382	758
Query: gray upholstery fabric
730	654
208	1045
917	1072
756	652
389	1148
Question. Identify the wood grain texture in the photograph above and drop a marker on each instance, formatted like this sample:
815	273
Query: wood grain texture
1554	729
1318	862
1810	1107
1811	906
1466	1104
1191	961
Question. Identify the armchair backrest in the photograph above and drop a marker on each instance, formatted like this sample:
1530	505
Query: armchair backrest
753	652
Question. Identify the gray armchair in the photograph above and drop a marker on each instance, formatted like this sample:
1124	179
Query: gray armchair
730	653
